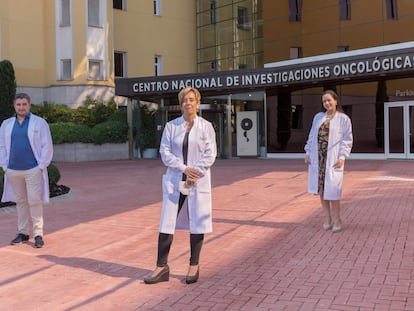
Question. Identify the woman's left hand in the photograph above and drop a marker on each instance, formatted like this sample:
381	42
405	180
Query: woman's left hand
192	172
191	181
339	163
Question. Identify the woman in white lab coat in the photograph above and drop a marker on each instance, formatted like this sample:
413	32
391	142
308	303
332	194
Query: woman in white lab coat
328	145
188	149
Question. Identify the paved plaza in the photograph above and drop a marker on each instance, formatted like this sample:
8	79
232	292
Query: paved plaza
268	250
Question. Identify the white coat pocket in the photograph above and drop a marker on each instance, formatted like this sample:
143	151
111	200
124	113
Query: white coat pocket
167	185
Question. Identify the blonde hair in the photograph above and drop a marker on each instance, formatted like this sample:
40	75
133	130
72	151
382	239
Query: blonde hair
187	90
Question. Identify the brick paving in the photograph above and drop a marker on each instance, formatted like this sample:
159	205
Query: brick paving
268	250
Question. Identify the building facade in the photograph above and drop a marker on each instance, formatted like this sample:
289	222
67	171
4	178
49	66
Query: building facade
229	35
304	29
295	41
261	59
65	50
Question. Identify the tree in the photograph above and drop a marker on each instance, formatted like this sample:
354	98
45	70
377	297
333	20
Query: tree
147	131
7	89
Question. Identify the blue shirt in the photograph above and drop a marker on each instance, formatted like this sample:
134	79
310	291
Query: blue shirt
21	153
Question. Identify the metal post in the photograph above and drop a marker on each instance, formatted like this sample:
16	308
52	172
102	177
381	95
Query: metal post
229	134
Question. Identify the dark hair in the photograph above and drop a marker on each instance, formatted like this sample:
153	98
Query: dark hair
22	96
335	96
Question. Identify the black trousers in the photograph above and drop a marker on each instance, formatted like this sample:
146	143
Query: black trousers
165	241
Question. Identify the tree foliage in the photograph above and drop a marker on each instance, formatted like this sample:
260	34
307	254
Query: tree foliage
7	89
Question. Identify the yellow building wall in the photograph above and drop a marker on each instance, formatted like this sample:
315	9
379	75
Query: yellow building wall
23	39
28	40
142	35
49	43
321	31
80	61
79	36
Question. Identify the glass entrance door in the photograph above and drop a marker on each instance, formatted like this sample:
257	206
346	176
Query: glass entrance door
399	130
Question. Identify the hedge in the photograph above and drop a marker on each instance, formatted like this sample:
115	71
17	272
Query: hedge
95	122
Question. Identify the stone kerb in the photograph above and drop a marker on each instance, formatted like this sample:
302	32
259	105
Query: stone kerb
80	152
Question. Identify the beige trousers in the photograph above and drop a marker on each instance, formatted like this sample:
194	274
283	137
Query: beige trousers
27	189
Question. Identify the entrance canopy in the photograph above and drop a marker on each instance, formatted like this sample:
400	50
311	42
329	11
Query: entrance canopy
371	64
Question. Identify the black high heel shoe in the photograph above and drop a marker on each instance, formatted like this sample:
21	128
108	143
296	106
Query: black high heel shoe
189	279
162	276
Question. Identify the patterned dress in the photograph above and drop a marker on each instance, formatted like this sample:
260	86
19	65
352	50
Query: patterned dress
323	137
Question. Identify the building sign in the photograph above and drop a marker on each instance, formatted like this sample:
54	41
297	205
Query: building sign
299	72
404	93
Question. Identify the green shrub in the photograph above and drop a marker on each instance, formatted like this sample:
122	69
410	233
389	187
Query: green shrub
95	122
7	89
53	113
147	136
70	133
92	112
53	173
110	132
120	115
97	111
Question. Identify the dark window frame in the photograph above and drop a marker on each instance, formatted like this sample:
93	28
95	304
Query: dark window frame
65	14
94	20
392	9
299	50
243	18
66	65
119	5
158	65
344	9
157	7
213	12
295	8
92	65
119	64
342	48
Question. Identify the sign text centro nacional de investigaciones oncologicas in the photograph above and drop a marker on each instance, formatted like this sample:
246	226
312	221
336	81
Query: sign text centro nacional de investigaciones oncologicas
276	76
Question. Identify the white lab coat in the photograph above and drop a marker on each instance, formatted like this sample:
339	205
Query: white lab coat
339	147
196	214
41	142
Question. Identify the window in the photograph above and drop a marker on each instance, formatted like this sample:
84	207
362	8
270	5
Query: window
119	4
95	70
295	8
214	65
344	9
342	48
296	52
93	13
213	12
158	65
157	7
120	64
297	117
66	69
242	18
392	12
65	13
